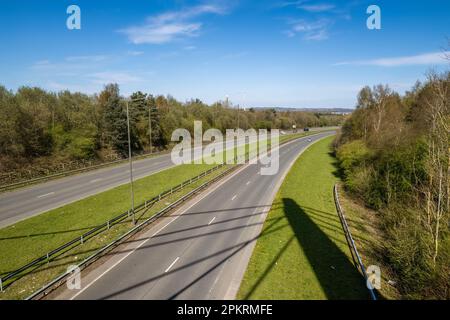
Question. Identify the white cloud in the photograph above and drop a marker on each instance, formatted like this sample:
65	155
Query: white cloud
433	58
311	30
170	26
113	77
235	55
135	53
94	58
316	7
289	3
69	65
162	33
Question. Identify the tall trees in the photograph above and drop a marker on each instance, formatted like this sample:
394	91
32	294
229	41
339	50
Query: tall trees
154	124
394	153
145	121
115	118
436	186
36	119
9	140
54	128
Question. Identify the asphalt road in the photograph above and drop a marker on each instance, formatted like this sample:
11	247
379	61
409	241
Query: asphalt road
199	252
23	203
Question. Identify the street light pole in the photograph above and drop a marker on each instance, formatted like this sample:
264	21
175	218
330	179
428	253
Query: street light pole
150	126
131	164
238	117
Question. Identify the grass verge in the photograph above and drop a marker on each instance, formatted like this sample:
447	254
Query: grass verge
33	237
302	252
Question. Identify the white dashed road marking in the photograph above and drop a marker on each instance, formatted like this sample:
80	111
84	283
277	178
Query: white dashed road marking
171	265
46	195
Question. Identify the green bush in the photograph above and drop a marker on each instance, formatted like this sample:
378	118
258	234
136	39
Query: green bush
407	249
352	158
409	253
352	154
81	148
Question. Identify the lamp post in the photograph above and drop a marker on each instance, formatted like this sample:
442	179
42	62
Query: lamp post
130	160
131	165
238	116
150	126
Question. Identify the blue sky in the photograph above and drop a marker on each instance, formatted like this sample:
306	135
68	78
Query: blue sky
258	53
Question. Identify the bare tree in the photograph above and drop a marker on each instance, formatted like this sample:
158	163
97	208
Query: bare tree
380	96
436	189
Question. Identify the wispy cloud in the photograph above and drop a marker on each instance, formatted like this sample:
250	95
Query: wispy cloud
433	58
84	73
317	17
170	26
70	64
135	53
306	5
235	55
113	77
317	7
311	30
289	3
93	58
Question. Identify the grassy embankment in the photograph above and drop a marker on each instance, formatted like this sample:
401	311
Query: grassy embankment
369	238
302	252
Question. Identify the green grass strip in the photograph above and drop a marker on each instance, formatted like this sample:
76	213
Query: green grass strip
35	236
46	272
302	252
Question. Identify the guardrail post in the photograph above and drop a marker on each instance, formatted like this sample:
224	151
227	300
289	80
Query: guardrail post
145	204
1	285
81	240
171	190
48	258
107	224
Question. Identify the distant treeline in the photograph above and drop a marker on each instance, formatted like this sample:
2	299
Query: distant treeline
394	155
42	127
